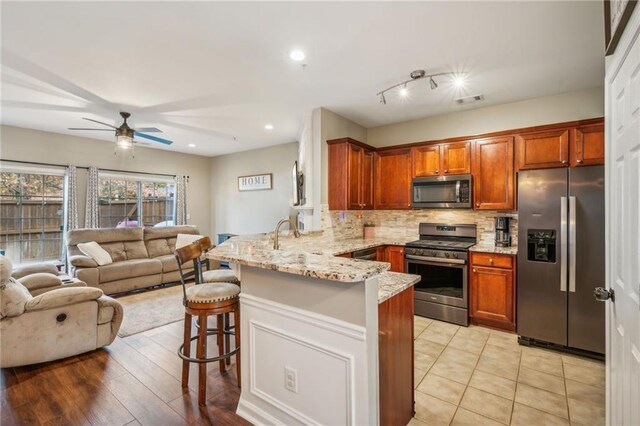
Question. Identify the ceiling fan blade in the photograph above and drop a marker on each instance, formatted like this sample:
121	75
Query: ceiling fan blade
99	122
148	130
153	138
84	128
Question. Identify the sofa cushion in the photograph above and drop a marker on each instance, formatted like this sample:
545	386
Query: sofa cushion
23	271
135	250
96	252
40	280
115	250
13	298
82	261
169	263
168	232
157	248
129	269
5	269
62	297
102	237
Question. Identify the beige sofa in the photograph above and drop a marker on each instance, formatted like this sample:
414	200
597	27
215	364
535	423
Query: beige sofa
58	323
142	257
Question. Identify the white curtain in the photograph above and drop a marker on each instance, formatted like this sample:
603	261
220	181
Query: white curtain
91	219
71	199
181	200
70	207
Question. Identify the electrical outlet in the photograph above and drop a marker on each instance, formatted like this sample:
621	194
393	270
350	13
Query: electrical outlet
291	379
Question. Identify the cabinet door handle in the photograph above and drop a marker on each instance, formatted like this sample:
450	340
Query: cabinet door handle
446	171
436	172
490	260
564	161
477	204
474	270
579	161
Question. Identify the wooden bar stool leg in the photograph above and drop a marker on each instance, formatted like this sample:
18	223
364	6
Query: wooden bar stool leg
202	353
227	338
236	322
221	341
186	350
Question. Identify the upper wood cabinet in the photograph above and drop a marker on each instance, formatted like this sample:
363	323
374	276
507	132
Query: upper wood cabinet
493	183
542	150
393	179
426	160
350	175
587	146
442	159
456	158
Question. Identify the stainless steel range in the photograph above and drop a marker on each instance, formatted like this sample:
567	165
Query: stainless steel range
440	257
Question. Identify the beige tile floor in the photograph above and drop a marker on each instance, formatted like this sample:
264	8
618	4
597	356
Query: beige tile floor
477	376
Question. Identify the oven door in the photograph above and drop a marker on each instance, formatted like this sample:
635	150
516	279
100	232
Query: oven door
442	282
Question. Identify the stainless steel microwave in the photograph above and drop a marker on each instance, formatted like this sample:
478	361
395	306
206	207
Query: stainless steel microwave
439	192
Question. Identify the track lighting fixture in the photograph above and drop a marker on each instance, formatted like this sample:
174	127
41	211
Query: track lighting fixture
416	75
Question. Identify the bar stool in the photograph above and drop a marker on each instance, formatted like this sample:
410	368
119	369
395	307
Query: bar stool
202	301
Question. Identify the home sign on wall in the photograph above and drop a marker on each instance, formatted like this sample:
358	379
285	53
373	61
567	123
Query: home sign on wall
254	182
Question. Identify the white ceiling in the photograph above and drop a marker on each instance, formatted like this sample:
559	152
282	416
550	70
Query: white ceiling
206	72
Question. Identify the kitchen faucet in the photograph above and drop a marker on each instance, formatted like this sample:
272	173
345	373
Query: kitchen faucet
292	225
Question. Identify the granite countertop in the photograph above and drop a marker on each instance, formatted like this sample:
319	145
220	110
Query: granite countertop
491	248
312	255
392	283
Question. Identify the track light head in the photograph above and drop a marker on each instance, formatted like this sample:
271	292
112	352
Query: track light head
433	83
383	100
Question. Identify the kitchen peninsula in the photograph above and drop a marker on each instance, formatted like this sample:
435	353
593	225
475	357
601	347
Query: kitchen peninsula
316	327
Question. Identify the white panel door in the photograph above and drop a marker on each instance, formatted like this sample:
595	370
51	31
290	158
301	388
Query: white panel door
622	122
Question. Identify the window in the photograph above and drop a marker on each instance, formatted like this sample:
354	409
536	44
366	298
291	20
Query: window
31	216
126	202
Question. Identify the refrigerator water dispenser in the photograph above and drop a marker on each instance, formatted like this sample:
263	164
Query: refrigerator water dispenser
541	245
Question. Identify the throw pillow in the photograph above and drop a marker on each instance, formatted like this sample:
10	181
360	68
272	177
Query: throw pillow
13	297
97	253
186	239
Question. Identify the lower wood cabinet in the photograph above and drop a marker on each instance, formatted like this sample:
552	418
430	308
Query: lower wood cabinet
395	256
492	287
395	354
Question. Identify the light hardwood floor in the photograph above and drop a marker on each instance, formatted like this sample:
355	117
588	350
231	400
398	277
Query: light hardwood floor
134	381
463	376
476	376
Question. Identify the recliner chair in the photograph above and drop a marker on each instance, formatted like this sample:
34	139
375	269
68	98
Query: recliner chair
60	322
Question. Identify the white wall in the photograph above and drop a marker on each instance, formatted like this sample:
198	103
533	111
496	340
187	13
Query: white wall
35	145
531	112
251	211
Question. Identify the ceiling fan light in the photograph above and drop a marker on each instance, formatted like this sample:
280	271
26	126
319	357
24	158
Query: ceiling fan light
124	142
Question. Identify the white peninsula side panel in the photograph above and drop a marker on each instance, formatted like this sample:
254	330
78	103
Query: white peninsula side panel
309	349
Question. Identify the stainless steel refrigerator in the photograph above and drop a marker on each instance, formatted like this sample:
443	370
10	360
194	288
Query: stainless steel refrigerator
561	257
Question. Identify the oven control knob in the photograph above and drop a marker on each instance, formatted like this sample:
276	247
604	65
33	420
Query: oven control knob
454	255
433	253
419	252
447	254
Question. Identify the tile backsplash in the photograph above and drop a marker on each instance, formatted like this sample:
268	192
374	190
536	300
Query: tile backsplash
389	223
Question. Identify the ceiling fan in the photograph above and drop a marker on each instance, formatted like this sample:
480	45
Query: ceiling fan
125	134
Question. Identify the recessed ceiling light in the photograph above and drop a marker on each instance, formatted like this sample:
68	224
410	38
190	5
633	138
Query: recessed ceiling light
297	55
458	81
192	145
268	126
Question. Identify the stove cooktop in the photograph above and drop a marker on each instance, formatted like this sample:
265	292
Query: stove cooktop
441	244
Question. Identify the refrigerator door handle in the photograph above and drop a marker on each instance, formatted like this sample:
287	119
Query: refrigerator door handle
563	243
572	244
